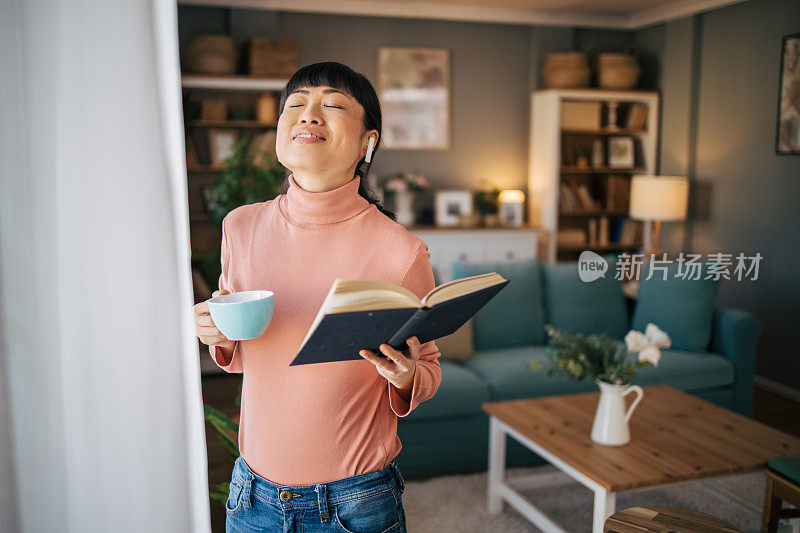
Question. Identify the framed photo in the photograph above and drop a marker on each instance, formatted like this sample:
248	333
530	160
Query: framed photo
620	152
787	137
450	204
414	90
220	143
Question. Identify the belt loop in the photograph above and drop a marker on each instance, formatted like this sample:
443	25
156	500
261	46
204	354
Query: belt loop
322	499
248	485
398	475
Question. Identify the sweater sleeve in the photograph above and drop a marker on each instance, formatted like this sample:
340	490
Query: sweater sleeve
234	365
428	375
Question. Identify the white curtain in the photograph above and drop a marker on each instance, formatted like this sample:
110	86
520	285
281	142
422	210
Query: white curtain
101	425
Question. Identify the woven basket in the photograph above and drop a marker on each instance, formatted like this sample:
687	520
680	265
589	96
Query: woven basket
566	60
566	78
611	60
210	54
618	77
213	109
617	71
266	58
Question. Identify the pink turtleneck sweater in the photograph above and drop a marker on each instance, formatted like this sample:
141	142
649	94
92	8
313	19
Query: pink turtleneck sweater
321	422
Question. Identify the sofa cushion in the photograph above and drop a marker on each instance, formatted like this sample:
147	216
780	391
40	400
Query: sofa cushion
460	393
508	378
575	306
684	308
515	316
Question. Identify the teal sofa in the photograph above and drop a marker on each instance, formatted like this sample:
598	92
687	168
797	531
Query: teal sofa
712	355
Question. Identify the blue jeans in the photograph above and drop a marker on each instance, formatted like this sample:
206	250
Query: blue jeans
366	503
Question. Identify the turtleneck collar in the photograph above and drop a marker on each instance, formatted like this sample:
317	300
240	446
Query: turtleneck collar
324	207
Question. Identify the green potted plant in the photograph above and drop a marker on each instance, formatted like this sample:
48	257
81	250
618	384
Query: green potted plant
581	157
243	181
487	202
248	177
227	430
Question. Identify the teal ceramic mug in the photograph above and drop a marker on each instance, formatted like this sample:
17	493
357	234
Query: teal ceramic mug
242	315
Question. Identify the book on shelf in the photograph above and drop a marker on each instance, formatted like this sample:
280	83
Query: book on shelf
618	190
192	159
567	201
602	238
637	116
586	199
359	314
576	197
630	232
571	237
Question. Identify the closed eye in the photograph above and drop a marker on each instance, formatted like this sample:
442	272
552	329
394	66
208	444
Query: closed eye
336	106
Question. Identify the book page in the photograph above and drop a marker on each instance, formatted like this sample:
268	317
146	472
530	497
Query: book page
460	287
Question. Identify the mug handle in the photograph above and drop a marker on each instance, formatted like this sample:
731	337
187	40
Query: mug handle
639	393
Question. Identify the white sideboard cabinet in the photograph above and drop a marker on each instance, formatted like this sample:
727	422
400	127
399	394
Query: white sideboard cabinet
477	245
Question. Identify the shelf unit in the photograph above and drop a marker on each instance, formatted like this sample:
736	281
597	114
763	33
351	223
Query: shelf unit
240	92
548	168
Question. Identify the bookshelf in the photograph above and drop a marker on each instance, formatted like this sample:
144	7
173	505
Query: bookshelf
240	94
586	144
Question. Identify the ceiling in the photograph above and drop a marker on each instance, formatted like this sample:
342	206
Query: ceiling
608	14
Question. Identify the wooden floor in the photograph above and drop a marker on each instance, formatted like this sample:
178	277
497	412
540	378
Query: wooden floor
220	391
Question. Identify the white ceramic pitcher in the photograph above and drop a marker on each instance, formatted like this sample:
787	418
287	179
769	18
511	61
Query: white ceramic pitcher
611	420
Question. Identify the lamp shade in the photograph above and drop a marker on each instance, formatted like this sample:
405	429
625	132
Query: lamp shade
662	198
511	196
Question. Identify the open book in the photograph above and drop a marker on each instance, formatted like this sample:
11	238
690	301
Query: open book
362	314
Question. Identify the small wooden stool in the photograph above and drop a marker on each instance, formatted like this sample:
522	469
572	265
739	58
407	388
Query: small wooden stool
783	484
658	518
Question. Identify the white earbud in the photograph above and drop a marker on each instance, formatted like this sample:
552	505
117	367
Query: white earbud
370	146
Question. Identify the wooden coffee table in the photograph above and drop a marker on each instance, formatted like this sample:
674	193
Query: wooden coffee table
675	437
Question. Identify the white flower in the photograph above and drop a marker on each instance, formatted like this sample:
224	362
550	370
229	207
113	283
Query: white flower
657	337
636	341
648	343
651	354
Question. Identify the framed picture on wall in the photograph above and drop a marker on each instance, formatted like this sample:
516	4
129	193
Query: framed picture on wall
414	90
787	138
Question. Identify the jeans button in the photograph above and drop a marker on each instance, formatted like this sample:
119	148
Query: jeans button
286	495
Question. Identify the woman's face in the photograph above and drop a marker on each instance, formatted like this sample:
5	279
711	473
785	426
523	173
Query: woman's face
335	117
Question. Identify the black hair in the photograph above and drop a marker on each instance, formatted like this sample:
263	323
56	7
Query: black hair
344	78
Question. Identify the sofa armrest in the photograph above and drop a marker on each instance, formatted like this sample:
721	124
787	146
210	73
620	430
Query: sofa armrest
735	335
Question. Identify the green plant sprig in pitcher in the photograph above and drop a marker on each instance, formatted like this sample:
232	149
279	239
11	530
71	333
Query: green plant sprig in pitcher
599	356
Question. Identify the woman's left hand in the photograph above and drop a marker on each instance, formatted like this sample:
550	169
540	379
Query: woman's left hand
399	366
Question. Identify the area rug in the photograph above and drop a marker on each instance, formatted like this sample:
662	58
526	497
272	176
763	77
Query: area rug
457	503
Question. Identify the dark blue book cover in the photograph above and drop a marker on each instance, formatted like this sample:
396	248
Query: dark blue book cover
340	336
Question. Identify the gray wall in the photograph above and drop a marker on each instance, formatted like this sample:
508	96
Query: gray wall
718	76
493	69
719	80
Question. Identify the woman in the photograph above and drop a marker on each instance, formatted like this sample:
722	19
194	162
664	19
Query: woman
318	442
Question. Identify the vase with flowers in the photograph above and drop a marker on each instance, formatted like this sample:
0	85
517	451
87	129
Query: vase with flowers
606	361
401	187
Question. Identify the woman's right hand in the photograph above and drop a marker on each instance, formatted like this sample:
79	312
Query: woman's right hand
205	328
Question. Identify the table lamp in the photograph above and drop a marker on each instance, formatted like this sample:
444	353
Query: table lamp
511	210
656	199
